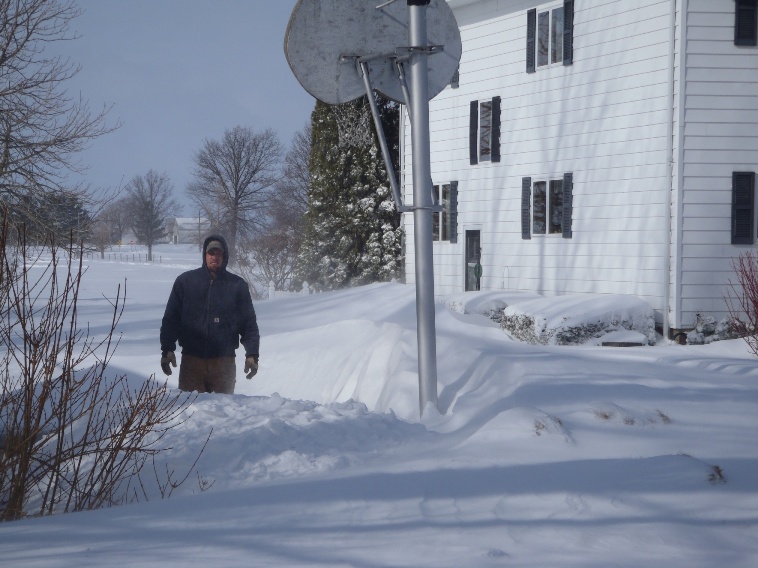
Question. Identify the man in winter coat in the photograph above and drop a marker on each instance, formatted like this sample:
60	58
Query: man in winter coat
209	312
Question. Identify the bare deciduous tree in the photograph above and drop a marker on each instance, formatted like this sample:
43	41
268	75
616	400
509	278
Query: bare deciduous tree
109	225
235	176
150	201
290	201
41	126
116	215
101	235
270	255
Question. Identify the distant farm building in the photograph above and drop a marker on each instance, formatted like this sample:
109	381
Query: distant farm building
187	230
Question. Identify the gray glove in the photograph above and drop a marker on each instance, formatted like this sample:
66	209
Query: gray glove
251	367
168	357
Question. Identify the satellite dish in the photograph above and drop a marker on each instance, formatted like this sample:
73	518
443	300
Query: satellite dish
325	38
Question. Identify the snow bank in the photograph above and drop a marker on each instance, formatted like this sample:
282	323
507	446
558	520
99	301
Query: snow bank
539	455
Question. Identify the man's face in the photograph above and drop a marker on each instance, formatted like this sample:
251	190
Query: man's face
213	259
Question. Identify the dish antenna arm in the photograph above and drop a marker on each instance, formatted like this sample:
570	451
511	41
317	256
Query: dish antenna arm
362	66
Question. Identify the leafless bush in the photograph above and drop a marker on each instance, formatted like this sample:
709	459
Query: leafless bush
742	302
72	437
268	258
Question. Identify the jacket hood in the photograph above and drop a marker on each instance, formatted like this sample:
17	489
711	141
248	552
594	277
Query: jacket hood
226	250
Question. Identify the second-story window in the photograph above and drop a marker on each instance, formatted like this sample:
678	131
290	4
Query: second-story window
549	36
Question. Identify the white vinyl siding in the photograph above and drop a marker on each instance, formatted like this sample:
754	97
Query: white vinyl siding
720	132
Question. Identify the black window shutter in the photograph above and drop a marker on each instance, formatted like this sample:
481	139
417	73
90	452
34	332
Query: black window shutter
568	198
453	213
473	133
531	39
526	209
568	32
746	22
743	200
495	155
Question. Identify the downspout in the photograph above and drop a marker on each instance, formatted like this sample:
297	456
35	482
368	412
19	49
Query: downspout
401	181
684	10
669	187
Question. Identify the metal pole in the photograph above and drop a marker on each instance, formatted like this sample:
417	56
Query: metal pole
422	201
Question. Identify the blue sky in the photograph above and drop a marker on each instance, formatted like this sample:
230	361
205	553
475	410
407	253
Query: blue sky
178	72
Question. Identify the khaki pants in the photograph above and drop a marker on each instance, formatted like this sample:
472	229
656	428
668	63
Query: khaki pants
207	375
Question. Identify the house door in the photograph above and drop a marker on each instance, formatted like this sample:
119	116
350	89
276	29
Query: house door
473	258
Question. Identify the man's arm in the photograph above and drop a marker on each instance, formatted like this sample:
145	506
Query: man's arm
172	318
249	334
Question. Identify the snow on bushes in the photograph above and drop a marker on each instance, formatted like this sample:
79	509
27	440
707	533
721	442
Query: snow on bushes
562	320
577	319
707	330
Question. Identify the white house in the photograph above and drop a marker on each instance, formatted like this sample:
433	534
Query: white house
187	230
597	146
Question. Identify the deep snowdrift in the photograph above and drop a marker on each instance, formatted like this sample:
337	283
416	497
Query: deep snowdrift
539	455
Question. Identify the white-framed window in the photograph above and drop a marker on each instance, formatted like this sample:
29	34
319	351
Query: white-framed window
445	222
547	206
549	36
484	131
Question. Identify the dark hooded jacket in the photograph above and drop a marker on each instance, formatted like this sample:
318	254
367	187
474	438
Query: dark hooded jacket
209	317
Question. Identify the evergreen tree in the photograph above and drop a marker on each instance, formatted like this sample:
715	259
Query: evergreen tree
353	233
62	214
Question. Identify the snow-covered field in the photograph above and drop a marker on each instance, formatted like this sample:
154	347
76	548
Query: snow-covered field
541	456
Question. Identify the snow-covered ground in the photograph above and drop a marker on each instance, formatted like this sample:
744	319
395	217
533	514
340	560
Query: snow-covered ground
540	456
